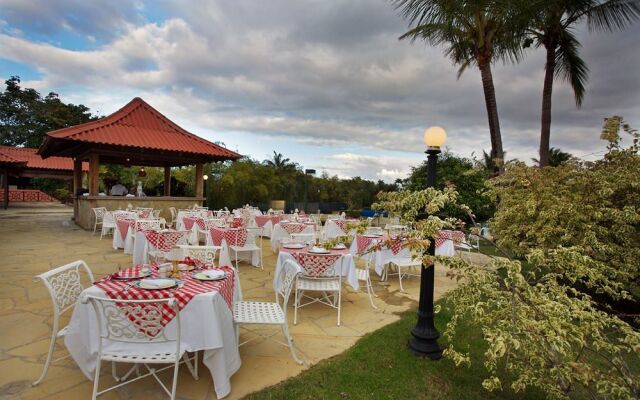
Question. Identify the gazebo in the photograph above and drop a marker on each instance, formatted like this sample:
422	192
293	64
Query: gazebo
137	134
24	162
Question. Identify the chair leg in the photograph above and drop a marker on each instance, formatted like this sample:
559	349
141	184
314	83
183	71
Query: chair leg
295	309
96	379
285	332
400	278
369	290
174	386
95	225
47	363
339	304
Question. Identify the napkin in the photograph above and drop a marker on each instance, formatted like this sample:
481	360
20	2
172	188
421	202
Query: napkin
213	273
157	283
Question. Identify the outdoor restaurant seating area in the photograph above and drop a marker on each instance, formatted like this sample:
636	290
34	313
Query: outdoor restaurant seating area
176	301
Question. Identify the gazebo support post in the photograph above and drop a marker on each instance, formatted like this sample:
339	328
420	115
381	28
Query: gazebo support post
199	180
167	181
5	188
94	170
77	185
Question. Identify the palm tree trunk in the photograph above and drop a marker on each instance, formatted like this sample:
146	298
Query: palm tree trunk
545	129
497	153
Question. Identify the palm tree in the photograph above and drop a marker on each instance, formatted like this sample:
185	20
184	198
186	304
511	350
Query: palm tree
280	163
552	26
557	157
475	32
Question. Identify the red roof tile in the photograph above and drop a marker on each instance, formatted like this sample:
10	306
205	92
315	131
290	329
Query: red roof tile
138	125
30	157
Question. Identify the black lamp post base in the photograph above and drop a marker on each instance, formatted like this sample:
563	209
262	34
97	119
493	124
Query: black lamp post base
428	348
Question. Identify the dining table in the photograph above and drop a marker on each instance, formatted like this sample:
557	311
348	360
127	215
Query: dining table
206	321
226	237
343	265
267	222
284	229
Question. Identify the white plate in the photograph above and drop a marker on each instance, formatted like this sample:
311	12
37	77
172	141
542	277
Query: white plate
319	251
201	276
339	247
372	235
168	283
294	246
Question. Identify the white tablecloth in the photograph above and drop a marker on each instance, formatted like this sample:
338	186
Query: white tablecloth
279	233
206	322
332	230
345	266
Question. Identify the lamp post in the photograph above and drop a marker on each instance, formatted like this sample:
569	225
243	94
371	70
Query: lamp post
424	340
205	177
307	172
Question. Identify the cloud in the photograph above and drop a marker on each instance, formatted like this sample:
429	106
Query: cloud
334	77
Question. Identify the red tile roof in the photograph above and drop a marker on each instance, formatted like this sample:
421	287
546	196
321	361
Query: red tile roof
138	125
30	157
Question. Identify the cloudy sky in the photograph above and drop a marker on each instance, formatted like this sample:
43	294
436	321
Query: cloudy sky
326	83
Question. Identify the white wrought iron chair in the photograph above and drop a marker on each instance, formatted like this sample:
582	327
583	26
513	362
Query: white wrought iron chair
404	263
138	322
472	242
205	254
267	313
328	282
249	246
64	285
174	215
98	217
108	224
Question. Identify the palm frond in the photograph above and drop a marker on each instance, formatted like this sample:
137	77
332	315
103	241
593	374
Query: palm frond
569	65
612	15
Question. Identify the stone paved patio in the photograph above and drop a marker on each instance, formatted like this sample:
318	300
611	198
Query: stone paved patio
39	237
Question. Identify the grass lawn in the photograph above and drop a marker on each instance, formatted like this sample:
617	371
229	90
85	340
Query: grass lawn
379	366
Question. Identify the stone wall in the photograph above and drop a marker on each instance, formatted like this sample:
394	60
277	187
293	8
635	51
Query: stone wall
84	214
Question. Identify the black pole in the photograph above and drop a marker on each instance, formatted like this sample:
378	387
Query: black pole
204	186
424	342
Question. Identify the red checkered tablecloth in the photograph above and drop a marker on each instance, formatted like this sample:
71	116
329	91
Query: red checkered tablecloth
342	223
234	237
316	265
395	245
123	226
188	289
143	214
293	228
444	235
363	243
164	241
237	222
261	220
188	222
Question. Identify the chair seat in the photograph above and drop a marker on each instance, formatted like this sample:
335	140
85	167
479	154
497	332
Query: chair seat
159	358
362	274
318	284
406	262
257	312
250	247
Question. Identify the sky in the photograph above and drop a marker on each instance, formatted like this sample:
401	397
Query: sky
326	83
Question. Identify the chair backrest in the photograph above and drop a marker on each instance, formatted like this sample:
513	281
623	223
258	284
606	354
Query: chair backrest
173	212
205	254
99	212
156	213
145	224
134	321
201	208
65	284
291	271
318	265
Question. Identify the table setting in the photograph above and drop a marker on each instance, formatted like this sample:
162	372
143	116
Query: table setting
284	229
337	257
204	296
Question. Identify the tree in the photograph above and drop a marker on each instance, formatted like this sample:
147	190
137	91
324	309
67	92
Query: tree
459	172
557	157
475	32
280	163
574	231
551	26
25	116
